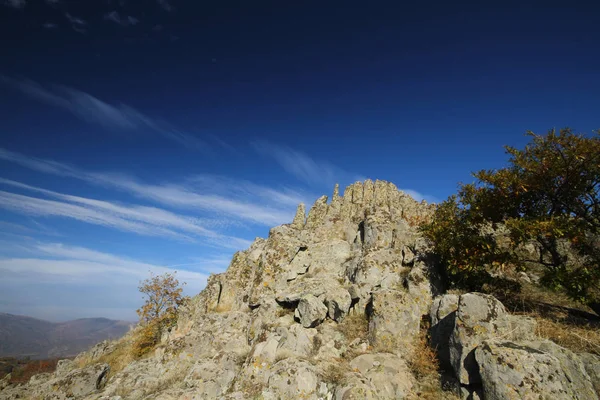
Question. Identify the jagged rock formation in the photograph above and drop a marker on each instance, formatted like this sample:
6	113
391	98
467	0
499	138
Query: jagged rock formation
329	307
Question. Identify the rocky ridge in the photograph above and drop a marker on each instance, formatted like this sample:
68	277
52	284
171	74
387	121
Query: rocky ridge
332	306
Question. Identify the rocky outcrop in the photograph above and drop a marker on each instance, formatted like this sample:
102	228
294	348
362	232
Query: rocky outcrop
77	383
329	306
531	370
497	355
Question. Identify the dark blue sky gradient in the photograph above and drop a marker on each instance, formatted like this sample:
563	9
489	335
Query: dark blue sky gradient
420	94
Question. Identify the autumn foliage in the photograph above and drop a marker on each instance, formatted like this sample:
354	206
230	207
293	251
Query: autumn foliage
22	370
547	197
163	296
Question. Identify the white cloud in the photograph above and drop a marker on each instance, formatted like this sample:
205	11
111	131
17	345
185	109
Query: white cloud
304	167
149	221
78	24
165	5
119	117
123	21
299	164
222	197
14	3
45	208
63	282
75	20
420	196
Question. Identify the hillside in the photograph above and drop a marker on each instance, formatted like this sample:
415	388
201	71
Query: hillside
22	336
344	303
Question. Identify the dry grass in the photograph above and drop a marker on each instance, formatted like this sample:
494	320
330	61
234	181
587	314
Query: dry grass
119	358
125	351
425	367
354	326
336	373
579	338
560	319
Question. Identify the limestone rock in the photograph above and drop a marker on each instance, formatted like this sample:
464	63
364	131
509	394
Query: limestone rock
5	381
300	217
338	303
317	213
360	257
299	264
592	367
442	317
387	374
63	367
311	311
480	317
523	370
292	379
394	321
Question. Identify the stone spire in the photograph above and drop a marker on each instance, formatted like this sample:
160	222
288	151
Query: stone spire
300	217
336	192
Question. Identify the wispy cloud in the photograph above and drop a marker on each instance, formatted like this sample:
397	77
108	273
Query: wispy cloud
123	21
118	117
165	5
55	276
240	200
14	3
302	166
78	24
50	25
313	171
420	196
149	221
75	20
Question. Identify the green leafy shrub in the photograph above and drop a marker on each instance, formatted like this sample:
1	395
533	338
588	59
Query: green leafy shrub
548	195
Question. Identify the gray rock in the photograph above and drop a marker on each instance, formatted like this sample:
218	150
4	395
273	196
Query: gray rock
63	367
592	367
311	311
292	379
387	374
394	322
480	317
442	317
338	303
523	370
300	217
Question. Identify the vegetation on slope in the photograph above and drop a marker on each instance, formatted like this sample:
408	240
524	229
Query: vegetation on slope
538	217
539	213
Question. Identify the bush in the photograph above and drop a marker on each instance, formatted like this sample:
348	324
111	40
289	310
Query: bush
163	297
547	195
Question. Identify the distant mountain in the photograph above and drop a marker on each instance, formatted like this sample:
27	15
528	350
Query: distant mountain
22	336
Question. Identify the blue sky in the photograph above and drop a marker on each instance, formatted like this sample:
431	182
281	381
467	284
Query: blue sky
166	135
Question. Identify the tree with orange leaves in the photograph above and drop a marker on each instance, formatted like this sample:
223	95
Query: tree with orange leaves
163	296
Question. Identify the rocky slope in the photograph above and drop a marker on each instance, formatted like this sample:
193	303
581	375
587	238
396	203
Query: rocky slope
22	336
332	306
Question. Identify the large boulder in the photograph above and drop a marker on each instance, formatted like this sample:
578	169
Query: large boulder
592	367
531	370
480	317
442	317
338	303
311	311
394	321
384	376
293	379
